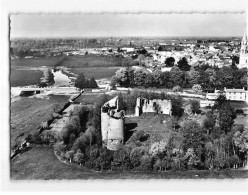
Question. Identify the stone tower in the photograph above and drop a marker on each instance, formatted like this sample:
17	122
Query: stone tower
243	60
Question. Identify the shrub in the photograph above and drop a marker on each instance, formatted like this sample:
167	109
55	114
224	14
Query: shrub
195	106
59	147
136	154
78	157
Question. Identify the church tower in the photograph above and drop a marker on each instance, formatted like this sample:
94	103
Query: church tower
243	59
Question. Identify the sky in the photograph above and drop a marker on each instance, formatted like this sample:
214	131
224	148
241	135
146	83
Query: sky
97	25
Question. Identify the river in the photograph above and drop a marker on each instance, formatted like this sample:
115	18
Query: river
60	79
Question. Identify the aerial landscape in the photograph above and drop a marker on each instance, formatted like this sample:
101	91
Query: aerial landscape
115	99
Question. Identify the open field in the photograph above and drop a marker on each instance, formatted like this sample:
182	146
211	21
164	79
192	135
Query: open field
34	62
91	61
41	163
24	77
96	72
69	61
28	113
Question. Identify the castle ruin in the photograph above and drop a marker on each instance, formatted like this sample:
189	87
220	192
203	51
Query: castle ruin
112	124
157	105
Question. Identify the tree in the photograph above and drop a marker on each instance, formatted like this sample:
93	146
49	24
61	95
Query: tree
92	83
209	122
225	77
157	78
193	137
235	60
176	76
183	64
197	88
136	154
170	61
226	117
139	77
195	106
177	105
81	81
121	76
177	89
194	77
69	155
113	82
105	158
121	103
219	101
78	157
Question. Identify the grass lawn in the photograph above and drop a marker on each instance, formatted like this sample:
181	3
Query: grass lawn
28	113
41	163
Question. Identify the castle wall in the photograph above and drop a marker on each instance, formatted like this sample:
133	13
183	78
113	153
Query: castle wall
104	126
144	105
112	124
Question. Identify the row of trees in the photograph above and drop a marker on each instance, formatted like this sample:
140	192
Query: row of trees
81	82
47	79
206	77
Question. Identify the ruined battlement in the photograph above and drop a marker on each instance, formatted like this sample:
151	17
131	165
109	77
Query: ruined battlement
112	124
157	105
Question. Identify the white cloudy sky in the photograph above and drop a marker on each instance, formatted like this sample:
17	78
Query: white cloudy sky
74	25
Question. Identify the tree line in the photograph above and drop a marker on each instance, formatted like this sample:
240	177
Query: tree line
81	82
182	75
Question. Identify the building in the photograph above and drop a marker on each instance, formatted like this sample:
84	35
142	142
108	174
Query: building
231	94
159	106
243	59
236	94
112	124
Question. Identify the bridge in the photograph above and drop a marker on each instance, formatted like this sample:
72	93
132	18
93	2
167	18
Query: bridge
22	91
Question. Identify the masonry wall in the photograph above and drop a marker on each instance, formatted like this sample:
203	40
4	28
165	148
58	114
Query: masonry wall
112	125
144	105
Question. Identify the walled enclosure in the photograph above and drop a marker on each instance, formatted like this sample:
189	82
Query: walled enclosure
112	124
159	106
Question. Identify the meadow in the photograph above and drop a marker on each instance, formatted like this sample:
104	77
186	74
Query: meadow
24	77
28	113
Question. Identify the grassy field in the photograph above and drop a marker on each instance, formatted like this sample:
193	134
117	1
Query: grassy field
70	61
153	124
96	72
41	163
91	61
28	113
25	77
34	62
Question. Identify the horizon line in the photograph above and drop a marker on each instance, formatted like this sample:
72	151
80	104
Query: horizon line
128	36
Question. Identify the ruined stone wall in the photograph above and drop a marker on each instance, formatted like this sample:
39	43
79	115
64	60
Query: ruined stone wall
157	105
